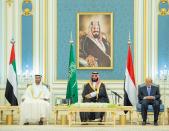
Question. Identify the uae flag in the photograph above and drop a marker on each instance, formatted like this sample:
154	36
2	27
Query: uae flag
11	85
130	91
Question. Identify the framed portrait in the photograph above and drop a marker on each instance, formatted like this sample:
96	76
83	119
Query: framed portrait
94	40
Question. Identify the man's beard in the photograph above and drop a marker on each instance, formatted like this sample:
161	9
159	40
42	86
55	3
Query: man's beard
37	83
96	34
94	80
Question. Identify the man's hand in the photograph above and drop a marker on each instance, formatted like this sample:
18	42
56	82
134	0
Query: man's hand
45	99
92	61
88	96
23	99
149	97
93	94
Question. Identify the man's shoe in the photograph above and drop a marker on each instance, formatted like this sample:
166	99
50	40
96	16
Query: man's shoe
101	123
40	122
27	123
156	123
84	123
96	120
144	123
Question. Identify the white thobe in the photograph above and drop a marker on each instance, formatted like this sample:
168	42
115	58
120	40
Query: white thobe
34	107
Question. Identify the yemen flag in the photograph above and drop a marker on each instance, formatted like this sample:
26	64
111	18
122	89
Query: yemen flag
11	85
130	91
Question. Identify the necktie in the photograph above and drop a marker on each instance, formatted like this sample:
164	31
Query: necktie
149	90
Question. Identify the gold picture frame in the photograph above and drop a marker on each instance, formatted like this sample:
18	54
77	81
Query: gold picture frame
94	40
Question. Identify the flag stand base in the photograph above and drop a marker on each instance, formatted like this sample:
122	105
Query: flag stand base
9	119
122	119
64	120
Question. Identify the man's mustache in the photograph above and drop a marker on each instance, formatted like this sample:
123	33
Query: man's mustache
96	32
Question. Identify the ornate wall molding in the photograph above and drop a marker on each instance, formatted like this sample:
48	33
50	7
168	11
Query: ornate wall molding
45	24
60	79
150	38
139	49
163	7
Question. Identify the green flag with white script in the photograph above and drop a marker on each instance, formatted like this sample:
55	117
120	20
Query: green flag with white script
72	88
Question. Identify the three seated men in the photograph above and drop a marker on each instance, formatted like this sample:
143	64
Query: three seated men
35	107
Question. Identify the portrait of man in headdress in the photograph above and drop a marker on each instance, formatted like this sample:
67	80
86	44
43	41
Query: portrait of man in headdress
94	41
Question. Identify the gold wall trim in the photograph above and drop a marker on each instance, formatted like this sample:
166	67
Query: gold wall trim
39	37
163	11
45	39
111	40
145	38
6	54
21	34
55	42
9	2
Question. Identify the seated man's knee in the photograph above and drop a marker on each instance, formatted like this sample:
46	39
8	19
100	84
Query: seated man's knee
156	103
144	103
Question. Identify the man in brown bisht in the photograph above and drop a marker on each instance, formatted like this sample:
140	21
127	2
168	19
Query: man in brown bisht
94	91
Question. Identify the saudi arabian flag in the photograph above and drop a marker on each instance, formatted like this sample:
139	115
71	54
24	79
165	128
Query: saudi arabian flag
72	89
11	85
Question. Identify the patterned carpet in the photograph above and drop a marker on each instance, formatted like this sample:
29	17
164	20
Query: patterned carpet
83	128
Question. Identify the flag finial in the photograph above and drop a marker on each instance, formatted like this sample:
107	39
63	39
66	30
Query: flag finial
12	41
71	39
129	40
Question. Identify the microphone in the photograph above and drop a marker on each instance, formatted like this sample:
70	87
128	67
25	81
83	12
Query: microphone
117	97
115	93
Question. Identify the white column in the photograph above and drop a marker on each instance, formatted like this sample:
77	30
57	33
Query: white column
154	69
36	36
41	15
17	34
7	31
151	38
1	45
51	28
47	14
44	38
139	46
54	46
4	41
0	40
148	36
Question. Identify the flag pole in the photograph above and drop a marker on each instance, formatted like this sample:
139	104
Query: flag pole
71	39
129	40
12	41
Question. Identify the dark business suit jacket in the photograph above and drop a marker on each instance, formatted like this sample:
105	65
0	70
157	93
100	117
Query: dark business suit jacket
142	92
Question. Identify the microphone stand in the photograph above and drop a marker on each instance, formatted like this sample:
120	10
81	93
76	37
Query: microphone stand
117	97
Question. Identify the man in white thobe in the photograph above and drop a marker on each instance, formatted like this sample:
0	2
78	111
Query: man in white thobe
35	107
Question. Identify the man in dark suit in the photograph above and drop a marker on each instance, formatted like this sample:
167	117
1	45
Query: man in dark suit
149	94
